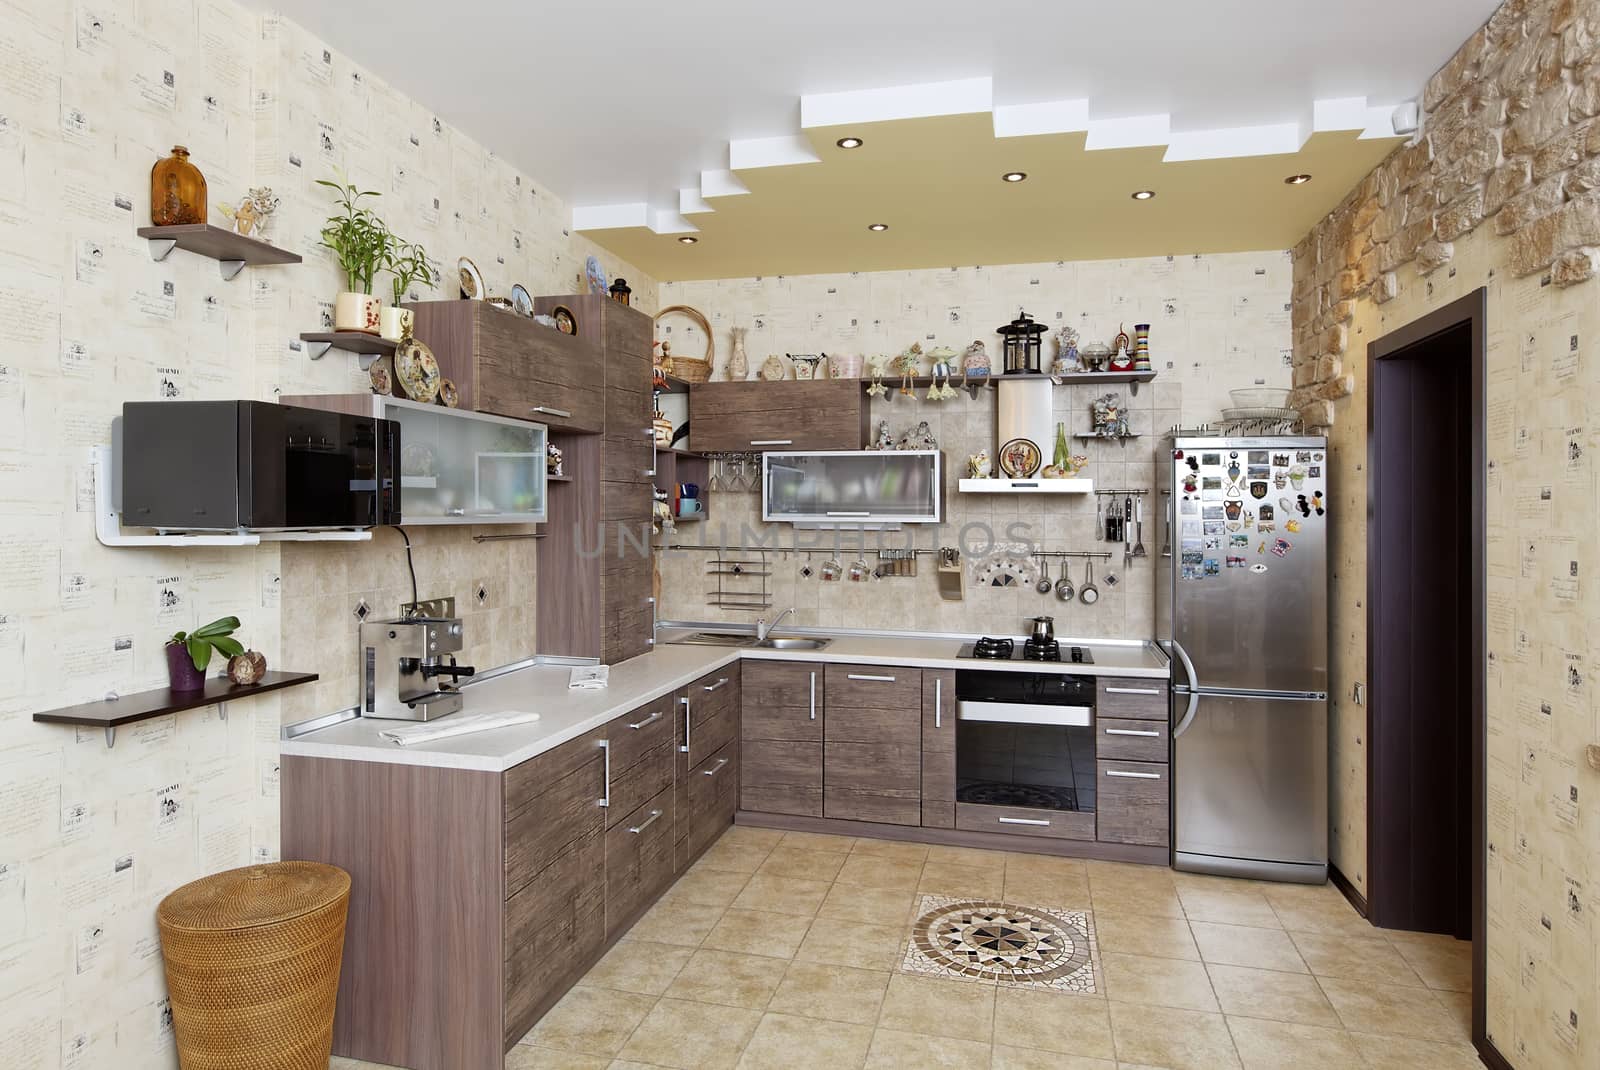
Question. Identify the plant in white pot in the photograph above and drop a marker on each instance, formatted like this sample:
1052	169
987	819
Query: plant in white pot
406	262
361	242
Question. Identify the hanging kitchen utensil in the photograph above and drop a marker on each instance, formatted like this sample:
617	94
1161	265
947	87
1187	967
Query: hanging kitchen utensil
950	585
1127	529
1138	520
1088	594
1045	583
1064	589
1113	523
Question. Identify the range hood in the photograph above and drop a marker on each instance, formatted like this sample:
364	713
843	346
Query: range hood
1025	410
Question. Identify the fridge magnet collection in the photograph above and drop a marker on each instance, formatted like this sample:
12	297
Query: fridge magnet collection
1221	501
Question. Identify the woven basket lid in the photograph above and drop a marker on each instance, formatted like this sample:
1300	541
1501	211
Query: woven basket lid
253	895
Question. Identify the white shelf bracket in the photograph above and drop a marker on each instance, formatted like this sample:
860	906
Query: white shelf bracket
222	712
367	360
161	248
318	350
111	736
230	269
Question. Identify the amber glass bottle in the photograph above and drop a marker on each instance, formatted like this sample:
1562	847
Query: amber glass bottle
177	190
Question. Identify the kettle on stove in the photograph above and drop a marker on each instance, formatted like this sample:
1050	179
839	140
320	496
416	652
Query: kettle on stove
1044	630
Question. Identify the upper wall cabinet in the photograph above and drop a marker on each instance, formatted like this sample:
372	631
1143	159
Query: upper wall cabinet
509	365
823	414
854	487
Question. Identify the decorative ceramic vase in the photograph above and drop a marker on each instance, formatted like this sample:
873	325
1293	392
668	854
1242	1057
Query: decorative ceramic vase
1141	347
844	366
181	673
356	312
394	324
177	190
1063	456
247	668
739	361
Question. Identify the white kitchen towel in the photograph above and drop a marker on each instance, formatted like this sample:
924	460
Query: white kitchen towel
589	678
456	725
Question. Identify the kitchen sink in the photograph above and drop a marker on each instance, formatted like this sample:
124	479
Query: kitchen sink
794	644
713	639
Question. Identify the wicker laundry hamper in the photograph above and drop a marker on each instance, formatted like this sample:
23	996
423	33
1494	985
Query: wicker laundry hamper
252	959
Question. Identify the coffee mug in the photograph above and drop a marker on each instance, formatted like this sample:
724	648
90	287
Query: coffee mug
690	506
689	490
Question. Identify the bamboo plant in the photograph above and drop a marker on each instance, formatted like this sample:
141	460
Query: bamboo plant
360	240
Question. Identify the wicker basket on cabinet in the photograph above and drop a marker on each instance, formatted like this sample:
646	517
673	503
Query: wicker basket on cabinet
687	368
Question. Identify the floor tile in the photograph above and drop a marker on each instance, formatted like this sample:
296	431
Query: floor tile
875	872
1282	997
1157	982
787	1042
758	932
1009	1058
728	978
1400	1053
675	921
733	857
1026	861
837	993
802	864
750	836
1246	945
782	895
1442	962
931	1006
1141	934
1368	958
1133	890
875	906
1053	1021
897	1050
1042	888
1317	909
853	943
1241	906
641	966
527	1057
906	852
1264	1045
954	878
709	887
818	841
691	1036
1458	1005
1168	1037
1390	1010
595	1021
966	856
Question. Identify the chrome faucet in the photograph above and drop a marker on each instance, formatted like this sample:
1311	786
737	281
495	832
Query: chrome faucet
763	629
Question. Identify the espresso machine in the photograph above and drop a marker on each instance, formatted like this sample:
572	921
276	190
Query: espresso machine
408	668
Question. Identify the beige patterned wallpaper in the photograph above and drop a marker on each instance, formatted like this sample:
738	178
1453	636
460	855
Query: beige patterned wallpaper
90	95
1216	322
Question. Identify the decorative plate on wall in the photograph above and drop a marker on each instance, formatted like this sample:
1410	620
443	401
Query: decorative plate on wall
596	275
1019	458
449	396
417	371
521	299
566	322
472	287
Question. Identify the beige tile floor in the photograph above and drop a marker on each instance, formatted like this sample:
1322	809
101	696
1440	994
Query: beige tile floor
780	950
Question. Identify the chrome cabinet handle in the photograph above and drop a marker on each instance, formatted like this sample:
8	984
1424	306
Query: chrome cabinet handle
1130	732
550	410
938	702
720	681
772	442
652	719
605	749
1133	691
686	724
1021	821
1133	776
813	696
846	512
715	769
655	815
867	676
654	446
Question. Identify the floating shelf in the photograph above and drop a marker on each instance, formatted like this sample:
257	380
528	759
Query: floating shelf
1133	379
126	709
1026	486
419	482
368	347
1087	436
232	251
557	479
669	385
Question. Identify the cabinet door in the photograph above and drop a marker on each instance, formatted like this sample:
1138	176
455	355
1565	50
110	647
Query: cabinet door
568	808
872	744
780	759
638	859
938	748
713	797
899	486
825	414
529	371
1131	803
554	926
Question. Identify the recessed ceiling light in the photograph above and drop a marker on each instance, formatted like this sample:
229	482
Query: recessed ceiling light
688	239
1014	176
877	226
849	143
1297	180
1145	195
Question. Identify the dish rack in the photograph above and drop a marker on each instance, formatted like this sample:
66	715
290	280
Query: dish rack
1234	423
733	590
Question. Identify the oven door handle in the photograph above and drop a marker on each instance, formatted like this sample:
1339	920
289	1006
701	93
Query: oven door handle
1025	713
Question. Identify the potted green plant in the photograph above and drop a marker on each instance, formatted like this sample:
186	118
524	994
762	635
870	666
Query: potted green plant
407	262
361	242
188	653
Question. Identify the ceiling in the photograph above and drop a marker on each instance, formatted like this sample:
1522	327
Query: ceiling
652	118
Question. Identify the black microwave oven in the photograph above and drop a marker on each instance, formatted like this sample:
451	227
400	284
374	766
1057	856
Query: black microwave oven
255	466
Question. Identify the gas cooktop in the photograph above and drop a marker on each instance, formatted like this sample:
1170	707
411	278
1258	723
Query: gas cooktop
991	649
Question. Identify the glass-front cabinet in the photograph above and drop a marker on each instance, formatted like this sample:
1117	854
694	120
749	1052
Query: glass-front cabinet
852	487
460	467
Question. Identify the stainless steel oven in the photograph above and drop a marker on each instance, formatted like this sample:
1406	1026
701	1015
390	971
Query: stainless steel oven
1025	739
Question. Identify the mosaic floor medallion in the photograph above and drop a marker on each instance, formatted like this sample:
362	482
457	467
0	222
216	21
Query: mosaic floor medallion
1002	943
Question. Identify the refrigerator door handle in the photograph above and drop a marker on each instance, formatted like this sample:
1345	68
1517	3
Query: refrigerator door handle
1188	715
1193	686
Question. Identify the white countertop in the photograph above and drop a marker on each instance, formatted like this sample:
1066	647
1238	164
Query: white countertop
565	714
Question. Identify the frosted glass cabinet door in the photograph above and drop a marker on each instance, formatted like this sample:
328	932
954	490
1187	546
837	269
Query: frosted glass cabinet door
460	467
852	487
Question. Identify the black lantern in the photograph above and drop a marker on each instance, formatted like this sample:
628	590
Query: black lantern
1023	338
620	291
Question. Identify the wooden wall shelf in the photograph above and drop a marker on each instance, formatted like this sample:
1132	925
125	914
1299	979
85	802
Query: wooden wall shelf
368	346
144	705
232	251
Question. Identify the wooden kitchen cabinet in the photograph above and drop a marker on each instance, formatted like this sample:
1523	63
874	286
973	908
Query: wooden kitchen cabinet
1132	803
872	744
707	737
780	766
938	748
821	414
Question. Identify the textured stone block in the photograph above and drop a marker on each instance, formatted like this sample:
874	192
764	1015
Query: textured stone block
1523	209
1534	246
1434	255
1461	217
1565	150
1572	268
1403	248
1412	162
1583	178
1388	288
1508	180
1545	117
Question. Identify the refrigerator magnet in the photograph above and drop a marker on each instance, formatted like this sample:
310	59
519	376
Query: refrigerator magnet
1281	547
1316	503
1189	507
1303	457
1235	561
1258	569
1315	471
1258	457
1266	512
1303	505
1258	489
1213	567
1260	471
1316	456
1281	460
1211	459
1232	508
1212	512
1292	526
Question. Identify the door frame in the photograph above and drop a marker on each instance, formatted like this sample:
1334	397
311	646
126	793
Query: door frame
1472	311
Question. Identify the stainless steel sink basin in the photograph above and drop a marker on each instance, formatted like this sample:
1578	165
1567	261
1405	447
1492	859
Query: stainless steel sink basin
794	644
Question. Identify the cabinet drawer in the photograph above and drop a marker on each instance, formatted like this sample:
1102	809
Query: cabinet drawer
712	717
553	927
639	731
1142	699
638	858
713	793
1132	803
874	687
873	782
781	777
643	780
1025	821
526	782
538	833
1129	740
781	702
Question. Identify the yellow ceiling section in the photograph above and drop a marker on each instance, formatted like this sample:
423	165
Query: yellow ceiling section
936	182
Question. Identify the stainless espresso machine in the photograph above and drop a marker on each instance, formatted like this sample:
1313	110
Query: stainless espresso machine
408	668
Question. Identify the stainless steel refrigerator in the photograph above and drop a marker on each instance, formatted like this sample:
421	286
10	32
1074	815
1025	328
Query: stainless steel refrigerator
1243	612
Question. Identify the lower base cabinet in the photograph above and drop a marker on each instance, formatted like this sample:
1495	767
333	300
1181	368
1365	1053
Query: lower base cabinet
639	860
1133	803
553	927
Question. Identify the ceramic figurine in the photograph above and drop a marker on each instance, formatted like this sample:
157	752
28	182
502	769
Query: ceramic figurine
1067	360
1122	352
805	364
908	364
254	212
918	438
553	459
884	440
978	465
773	370
739	362
1110	421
